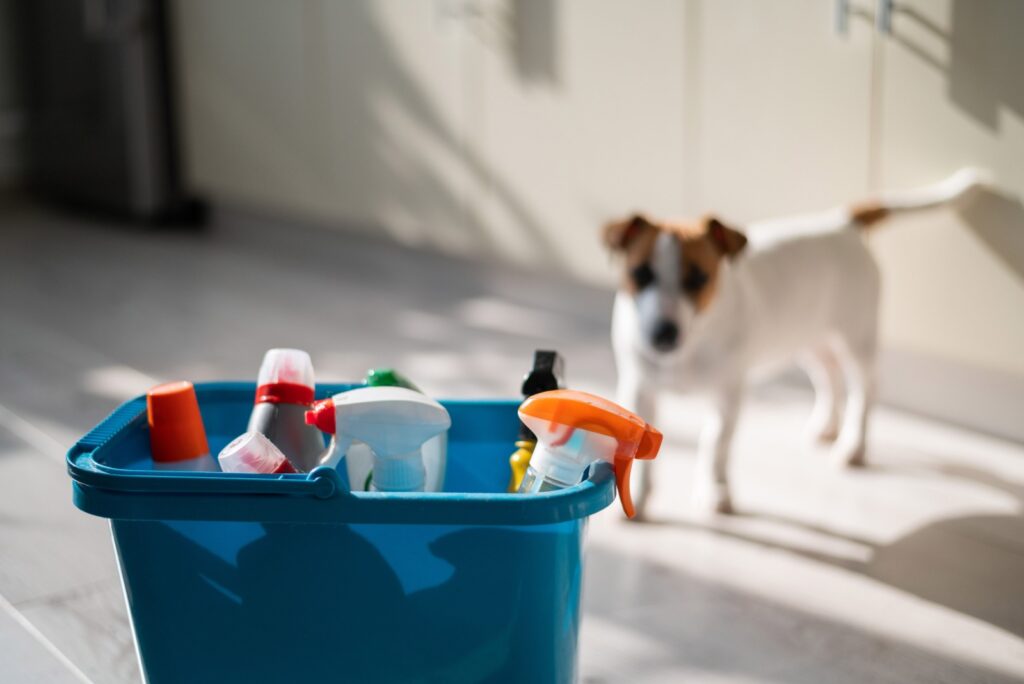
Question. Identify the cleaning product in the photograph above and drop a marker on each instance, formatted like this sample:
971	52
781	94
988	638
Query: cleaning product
177	439
545	376
360	458
283	394
575	429
393	421
252	452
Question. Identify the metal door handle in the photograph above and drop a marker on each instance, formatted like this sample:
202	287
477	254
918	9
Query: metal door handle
882	19
883	16
842	17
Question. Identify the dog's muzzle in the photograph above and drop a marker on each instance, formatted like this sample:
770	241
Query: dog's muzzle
666	335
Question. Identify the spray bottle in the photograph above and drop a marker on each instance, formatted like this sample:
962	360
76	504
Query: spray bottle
284	393
545	376
360	458
252	452
575	429
393	421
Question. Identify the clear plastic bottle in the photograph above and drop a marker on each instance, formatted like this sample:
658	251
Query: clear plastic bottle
575	429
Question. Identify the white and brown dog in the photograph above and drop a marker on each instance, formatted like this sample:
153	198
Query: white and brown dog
703	304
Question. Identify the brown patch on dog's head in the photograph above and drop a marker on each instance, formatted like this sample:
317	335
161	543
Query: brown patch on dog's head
726	240
634	238
703	245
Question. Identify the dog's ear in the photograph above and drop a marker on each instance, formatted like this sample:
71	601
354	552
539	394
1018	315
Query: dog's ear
726	240
618	235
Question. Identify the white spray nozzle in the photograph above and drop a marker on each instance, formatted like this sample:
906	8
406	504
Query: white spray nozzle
393	421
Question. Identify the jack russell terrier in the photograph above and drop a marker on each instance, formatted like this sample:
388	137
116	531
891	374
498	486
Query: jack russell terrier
703	304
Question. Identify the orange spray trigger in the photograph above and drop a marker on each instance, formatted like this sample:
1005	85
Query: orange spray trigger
575	429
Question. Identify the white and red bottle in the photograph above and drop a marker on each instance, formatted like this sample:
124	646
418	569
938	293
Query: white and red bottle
251	452
284	393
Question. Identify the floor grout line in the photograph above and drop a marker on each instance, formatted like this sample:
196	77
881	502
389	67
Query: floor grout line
24	622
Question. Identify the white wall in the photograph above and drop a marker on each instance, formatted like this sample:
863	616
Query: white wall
502	127
953	95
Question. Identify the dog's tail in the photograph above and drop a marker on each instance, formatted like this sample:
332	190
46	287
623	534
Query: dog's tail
958	188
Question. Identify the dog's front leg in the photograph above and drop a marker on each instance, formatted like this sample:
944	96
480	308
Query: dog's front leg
711	486
638	395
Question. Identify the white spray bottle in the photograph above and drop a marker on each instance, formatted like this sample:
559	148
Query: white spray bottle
393	421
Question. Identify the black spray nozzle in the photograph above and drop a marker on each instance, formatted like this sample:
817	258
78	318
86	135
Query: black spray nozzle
547	374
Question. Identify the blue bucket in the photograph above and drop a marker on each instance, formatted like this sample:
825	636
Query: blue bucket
249	578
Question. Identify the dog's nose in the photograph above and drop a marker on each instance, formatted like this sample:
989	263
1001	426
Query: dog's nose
666	334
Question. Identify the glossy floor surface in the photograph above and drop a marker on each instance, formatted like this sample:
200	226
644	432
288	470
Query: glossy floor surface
911	570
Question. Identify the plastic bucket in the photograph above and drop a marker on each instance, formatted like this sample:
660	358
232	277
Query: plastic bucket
247	578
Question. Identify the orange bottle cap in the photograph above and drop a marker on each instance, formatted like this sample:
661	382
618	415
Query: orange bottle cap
175	426
635	437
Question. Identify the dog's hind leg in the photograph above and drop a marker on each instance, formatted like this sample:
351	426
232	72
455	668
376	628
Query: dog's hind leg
858	364
822	367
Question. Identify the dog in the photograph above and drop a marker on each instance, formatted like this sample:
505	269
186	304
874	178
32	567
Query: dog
703	304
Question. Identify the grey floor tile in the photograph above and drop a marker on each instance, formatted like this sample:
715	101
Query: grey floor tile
90	626
24	660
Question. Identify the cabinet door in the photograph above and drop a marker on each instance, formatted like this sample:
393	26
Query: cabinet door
580	119
953	95
778	107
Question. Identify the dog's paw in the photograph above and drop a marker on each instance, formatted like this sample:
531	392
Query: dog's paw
821	431
713	499
849	453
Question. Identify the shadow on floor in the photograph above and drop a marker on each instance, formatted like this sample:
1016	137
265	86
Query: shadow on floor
739	636
972	564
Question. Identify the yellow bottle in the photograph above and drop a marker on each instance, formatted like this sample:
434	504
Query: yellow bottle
519	462
545	376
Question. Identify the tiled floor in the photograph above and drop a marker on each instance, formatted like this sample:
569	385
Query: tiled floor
911	570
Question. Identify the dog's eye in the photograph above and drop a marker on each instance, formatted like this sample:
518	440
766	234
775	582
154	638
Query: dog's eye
642	276
694	280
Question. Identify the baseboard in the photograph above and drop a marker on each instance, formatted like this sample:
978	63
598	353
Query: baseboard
978	398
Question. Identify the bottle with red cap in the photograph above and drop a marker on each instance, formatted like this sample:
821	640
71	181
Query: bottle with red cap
252	452
177	439
285	390
575	429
